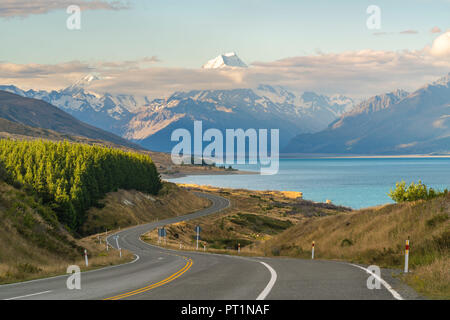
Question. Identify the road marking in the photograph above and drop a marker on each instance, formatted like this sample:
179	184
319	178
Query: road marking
29	295
174	276
268	288
383	282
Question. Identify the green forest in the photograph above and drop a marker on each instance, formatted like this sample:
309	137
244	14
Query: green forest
73	177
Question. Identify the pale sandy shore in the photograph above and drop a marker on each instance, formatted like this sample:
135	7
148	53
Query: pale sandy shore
323	156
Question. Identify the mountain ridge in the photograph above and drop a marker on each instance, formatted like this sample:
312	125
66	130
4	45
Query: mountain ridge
393	123
40	114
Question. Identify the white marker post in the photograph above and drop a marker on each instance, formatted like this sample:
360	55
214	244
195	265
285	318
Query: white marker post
197	239
86	258
117	242
197	229
204	247
406	256
239	248
312	251
106	240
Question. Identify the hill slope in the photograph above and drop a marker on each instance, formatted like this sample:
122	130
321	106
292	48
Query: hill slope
394	123
39	114
377	236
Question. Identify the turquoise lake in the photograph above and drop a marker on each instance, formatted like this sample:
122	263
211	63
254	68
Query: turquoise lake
355	183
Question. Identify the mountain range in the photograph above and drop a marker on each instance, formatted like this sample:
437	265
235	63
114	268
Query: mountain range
394	123
151	122
31	117
397	122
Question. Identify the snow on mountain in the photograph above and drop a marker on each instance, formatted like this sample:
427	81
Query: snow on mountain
397	122
271	107
225	60
149	122
82	84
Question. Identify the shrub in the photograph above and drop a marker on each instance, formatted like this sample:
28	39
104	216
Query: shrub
415	191
346	243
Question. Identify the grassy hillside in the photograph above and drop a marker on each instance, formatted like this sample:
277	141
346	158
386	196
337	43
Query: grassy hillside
35	245
377	236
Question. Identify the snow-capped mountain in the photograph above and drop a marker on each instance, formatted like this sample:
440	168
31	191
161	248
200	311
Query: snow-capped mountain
150	123
108	112
393	123
227	60
265	107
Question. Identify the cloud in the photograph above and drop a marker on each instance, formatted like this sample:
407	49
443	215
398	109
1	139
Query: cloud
409	32
441	45
436	30
354	73
24	8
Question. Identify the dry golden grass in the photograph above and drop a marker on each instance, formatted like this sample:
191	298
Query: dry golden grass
374	235
377	236
432	280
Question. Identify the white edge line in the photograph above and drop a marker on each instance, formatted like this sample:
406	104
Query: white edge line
268	288
29	295
394	293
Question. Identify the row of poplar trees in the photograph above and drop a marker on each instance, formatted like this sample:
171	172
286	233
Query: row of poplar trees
73	177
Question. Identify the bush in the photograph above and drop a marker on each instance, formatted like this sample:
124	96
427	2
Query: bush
415	191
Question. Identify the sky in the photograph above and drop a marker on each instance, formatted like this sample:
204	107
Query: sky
155	47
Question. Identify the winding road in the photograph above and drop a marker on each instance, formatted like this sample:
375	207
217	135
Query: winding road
159	273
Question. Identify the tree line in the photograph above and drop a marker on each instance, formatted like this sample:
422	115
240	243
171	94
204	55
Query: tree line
72	177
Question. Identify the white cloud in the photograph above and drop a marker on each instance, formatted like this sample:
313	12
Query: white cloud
355	73
441	45
24	8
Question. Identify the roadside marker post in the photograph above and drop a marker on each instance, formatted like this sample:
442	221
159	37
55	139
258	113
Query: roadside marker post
117	242
239	248
406	255
86	258
198	229
204	247
162	234
312	251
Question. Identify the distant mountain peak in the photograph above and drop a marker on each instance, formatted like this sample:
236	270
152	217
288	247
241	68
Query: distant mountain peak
444	81
225	60
83	83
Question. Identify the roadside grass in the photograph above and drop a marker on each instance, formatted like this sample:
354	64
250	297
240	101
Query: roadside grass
377	236
45	264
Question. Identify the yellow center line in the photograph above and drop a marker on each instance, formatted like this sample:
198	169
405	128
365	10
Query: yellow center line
174	276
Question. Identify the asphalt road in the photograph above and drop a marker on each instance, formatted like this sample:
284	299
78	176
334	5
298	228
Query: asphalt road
158	273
